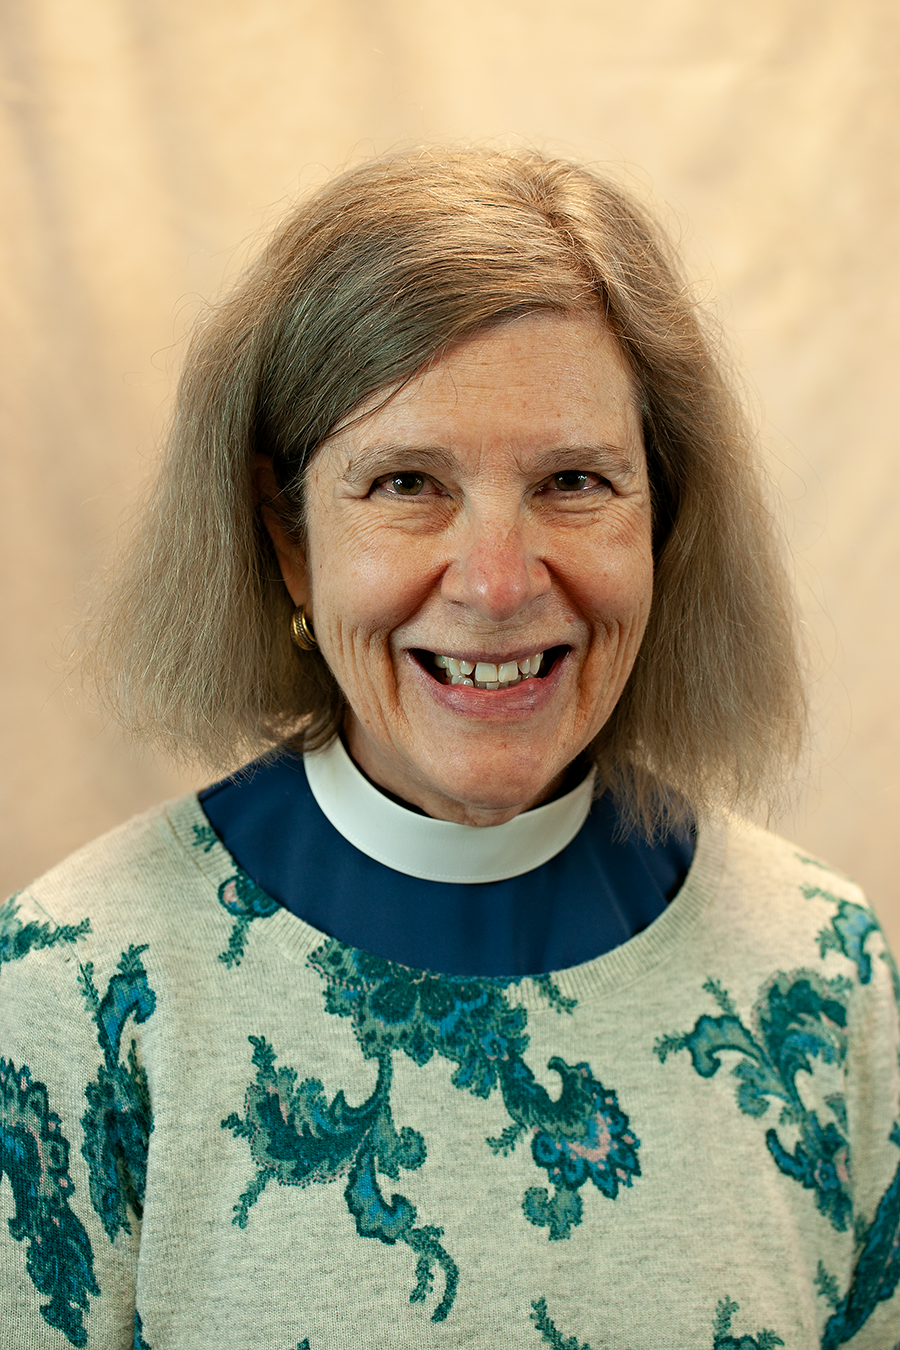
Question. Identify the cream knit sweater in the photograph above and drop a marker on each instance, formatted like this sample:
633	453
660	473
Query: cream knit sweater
220	1128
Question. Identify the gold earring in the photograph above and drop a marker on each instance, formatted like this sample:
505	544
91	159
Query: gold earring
301	630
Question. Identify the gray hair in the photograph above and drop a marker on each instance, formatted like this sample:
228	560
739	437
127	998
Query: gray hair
357	290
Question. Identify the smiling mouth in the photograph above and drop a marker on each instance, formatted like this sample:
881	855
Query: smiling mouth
488	674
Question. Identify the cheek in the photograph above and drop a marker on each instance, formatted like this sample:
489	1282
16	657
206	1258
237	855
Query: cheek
614	585
633	557
637	578
367	582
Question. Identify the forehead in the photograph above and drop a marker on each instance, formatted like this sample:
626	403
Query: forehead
538	380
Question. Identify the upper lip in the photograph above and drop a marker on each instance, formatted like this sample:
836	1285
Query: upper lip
479	654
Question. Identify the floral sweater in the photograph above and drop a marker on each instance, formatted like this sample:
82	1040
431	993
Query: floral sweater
219	1127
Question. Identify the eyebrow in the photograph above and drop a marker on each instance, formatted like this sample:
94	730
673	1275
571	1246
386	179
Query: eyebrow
596	456
378	459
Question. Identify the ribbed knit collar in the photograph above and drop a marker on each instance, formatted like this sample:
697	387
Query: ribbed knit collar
440	850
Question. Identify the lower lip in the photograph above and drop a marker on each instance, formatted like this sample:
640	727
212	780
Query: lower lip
519	700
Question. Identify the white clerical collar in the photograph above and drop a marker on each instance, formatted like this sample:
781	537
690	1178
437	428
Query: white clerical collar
439	850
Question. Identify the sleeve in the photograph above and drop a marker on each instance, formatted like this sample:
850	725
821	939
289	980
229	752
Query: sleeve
867	1313
68	1258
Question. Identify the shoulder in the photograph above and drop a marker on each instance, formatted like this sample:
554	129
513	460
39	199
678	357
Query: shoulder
135	863
146	882
778	910
782	893
812	923
767	860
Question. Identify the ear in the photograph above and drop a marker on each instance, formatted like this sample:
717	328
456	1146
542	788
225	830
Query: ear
291	558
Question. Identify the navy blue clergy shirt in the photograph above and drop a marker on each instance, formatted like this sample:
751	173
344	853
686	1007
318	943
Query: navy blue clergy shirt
591	895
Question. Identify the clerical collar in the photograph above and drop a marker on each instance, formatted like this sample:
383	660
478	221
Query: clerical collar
439	850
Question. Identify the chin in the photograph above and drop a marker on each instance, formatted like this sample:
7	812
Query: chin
505	789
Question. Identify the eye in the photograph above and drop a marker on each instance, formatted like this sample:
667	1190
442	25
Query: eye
570	480
574	480
408	483
403	484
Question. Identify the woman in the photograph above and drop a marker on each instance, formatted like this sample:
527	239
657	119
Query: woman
468	1015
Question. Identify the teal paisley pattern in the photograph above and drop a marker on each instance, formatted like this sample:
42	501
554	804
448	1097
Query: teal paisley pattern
118	1121
297	1136
550	1334
244	900
722	1326
34	1155
722	1329
17	939
800	1018
797	1018
240	897
141	1344
849	933
876	1272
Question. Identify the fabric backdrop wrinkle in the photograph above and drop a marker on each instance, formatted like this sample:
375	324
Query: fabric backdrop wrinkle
146	146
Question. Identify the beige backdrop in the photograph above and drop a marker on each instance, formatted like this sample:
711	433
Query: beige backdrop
145	144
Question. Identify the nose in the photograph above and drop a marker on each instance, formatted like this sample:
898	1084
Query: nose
497	571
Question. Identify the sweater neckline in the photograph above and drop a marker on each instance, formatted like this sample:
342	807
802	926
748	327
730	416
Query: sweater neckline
603	977
439	850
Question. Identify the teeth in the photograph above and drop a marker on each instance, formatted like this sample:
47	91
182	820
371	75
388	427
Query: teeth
487	674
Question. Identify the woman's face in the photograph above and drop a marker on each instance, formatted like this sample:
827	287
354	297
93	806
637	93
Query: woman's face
497	507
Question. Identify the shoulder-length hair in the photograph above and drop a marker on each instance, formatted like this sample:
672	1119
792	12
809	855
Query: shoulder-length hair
358	289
